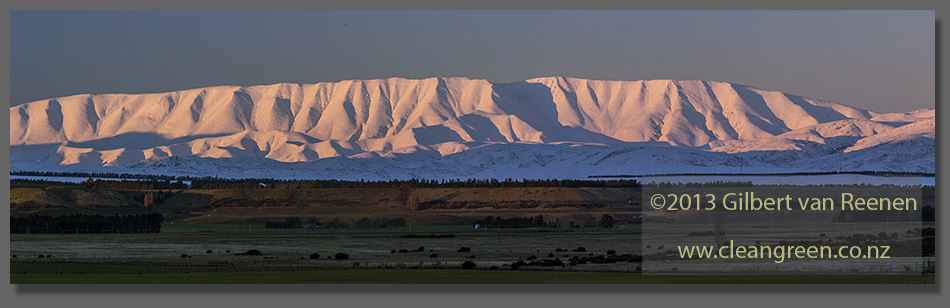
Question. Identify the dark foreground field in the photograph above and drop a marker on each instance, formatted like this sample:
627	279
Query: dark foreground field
79	273
215	254
208	236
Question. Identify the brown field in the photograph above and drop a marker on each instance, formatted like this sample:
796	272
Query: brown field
419	206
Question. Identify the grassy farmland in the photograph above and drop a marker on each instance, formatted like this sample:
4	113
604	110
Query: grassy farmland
55	273
208	234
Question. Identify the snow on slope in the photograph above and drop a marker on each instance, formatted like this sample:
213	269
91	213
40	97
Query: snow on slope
847	145
364	123
821	138
537	110
920	131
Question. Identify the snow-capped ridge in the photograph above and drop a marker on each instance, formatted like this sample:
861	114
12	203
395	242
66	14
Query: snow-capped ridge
443	116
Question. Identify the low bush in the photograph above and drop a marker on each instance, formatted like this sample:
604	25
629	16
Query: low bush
252	252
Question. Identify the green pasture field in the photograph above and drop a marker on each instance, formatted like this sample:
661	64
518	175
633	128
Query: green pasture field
76	273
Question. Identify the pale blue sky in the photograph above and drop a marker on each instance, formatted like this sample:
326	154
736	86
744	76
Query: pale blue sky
879	60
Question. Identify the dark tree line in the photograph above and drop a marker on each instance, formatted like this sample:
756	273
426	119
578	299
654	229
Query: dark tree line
87	224
380	223
366	223
287	223
876	173
111	175
750	184
702	184
39	182
132	185
514	222
145	182
412	183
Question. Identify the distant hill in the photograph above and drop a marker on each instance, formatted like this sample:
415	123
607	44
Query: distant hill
399	128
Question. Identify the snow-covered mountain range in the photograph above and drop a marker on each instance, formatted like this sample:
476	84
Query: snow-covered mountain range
460	128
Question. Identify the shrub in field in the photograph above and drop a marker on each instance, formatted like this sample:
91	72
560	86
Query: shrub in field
580	249
314	256
209	251
518	264
468	265
611	252
608	259
421	248
341	256
465	249
252	252
435	255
